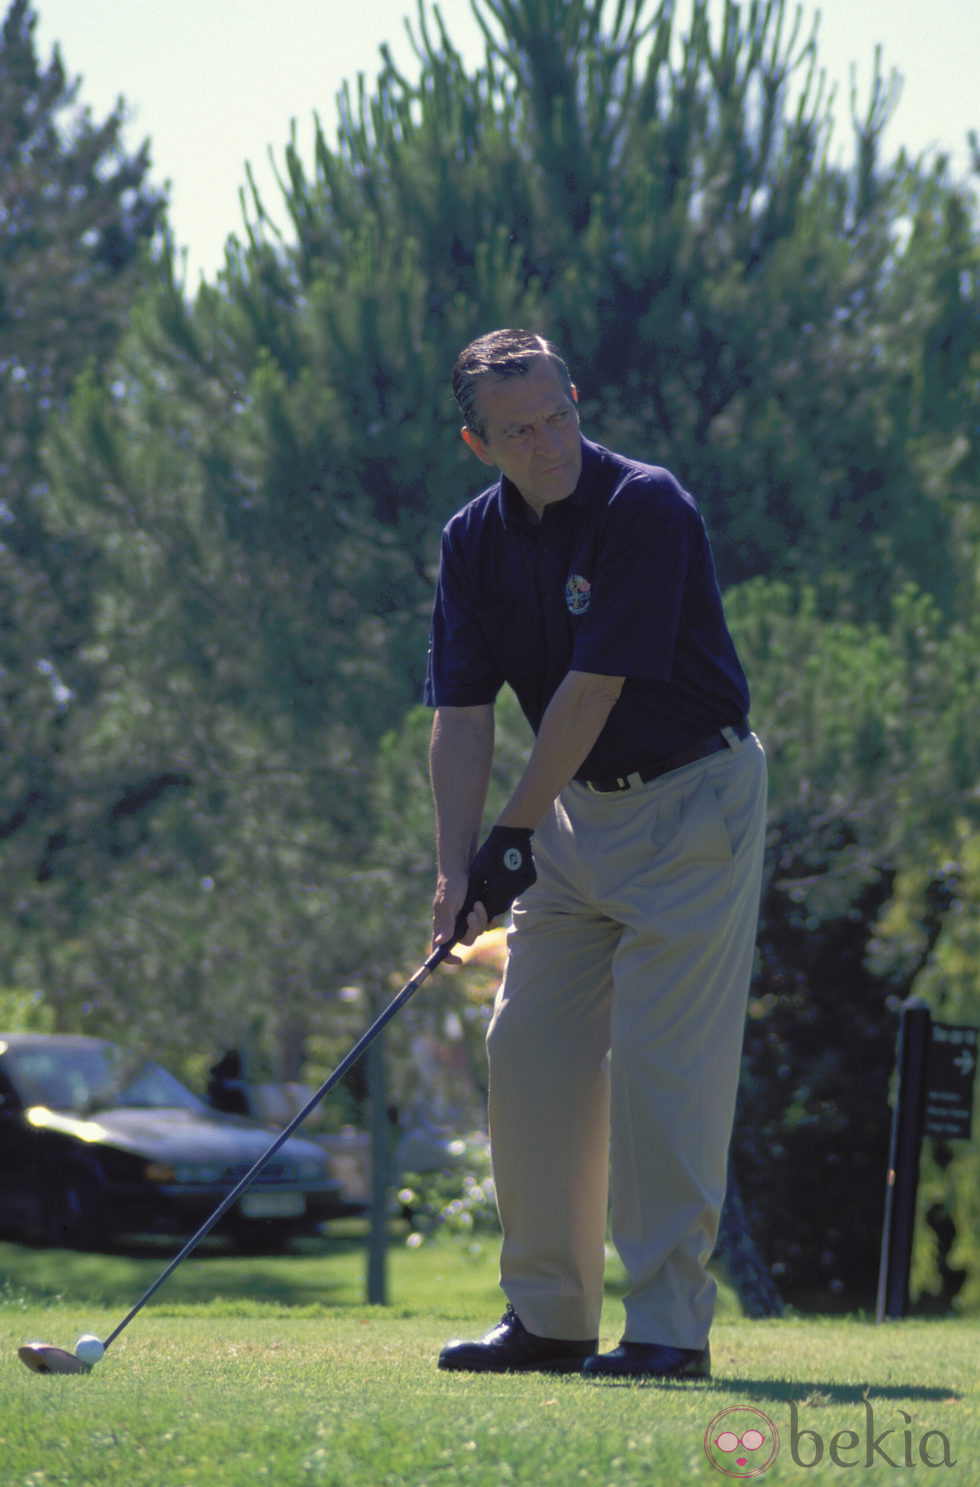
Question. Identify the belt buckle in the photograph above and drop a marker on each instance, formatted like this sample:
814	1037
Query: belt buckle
620	783
607	790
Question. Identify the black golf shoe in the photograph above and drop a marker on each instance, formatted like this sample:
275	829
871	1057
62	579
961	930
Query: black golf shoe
649	1360
510	1348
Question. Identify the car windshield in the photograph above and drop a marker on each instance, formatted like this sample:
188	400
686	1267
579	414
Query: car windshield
96	1076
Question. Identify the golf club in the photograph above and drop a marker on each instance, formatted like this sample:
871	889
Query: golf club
43	1358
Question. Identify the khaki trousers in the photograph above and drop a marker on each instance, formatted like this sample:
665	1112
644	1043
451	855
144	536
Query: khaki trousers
637	941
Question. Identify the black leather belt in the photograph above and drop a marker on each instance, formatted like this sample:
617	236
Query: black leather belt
712	745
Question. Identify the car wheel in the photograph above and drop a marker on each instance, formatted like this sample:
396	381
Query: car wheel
73	1207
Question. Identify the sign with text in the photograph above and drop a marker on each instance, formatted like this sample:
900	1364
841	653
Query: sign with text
950	1073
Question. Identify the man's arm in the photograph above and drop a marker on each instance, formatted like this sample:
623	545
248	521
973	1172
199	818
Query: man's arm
572	722
460	755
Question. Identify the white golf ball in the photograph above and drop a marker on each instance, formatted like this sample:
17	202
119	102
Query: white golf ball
88	1349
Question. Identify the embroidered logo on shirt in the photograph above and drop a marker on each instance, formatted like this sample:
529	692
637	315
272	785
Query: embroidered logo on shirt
578	594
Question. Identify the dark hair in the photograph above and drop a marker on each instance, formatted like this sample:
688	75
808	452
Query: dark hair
500	353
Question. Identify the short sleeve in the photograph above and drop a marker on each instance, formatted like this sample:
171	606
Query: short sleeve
462	670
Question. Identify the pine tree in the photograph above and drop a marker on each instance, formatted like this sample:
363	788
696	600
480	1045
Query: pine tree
76	214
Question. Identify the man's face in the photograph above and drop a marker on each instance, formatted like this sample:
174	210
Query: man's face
532	433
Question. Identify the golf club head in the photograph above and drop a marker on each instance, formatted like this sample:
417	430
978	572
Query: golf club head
41	1357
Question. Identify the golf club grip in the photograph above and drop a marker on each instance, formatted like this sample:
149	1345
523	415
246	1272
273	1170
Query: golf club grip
438	955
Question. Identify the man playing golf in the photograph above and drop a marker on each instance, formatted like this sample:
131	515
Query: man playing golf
584	580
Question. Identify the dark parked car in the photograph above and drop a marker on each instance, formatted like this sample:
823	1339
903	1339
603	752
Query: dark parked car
96	1143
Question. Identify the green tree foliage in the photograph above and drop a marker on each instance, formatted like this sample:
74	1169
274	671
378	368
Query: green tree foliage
947	1260
271	464
663	204
76	212
769	326
875	754
75	215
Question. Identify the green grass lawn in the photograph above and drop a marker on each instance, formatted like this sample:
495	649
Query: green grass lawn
245	1371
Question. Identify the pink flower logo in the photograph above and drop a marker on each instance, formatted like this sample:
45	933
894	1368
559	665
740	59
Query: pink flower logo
741	1442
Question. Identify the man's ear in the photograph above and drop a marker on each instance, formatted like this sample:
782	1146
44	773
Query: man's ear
476	444
574	393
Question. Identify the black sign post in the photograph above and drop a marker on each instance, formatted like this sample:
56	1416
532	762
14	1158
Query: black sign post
903	1160
949	1081
934	1097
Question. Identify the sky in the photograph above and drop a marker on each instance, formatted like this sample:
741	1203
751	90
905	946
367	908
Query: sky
214	84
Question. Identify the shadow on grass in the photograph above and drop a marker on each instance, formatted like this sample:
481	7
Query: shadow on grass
826	1391
804	1392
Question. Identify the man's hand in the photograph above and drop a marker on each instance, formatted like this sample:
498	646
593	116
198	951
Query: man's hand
446	916
502	869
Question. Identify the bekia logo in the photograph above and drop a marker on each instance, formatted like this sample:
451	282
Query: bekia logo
578	594
743	1443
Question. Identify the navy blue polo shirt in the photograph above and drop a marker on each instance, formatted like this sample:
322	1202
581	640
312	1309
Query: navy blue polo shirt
616	579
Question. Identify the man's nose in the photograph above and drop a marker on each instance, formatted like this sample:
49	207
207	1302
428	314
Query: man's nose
546	440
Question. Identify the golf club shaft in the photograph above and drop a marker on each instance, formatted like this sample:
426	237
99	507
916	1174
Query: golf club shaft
422	974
